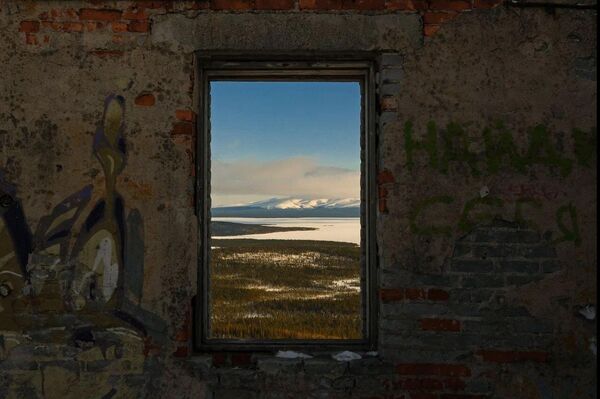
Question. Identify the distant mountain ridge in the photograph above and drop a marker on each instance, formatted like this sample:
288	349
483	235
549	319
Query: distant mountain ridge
292	207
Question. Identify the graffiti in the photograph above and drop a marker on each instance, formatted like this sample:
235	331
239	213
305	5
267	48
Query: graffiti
54	230
481	210
431	229
92	262
134	257
468	219
452	145
15	246
531	191
99	248
519	204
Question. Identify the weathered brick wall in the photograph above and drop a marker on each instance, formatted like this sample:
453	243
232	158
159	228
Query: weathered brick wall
486	216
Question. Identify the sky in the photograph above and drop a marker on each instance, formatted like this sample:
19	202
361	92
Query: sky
284	139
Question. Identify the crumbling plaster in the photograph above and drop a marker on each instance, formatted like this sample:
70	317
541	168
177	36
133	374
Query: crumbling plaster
519	67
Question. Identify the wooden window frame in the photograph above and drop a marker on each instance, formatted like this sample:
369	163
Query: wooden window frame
308	68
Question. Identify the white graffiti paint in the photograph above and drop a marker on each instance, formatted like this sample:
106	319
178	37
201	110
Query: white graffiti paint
110	271
103	267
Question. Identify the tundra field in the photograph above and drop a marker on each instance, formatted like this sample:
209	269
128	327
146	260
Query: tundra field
284	289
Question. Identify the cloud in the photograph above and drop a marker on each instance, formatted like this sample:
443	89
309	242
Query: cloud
249	180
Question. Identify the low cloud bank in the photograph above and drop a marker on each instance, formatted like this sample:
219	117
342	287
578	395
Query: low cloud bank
248	180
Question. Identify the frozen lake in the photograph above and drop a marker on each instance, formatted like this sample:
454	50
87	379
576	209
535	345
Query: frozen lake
327	229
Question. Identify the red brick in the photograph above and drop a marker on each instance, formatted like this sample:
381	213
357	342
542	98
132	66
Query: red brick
438	17
385	176
72	27
440	325
419	384
415	294
219	359
430	30
185	115
444	369
241	359
29	26
503	356
320	4
70	13
363	4
389	103
436	294
454	384
450	5
382	192
117	39
155	5
234	5
487	4
182	335
199	5
93	14
183	128
51	25
150	347
406	5
391	294
140	26
56	13
274	4
118	26
91	26
383	205
145	100
182	351
135	13
64	26
30	38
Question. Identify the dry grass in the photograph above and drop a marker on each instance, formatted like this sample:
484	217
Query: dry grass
284	289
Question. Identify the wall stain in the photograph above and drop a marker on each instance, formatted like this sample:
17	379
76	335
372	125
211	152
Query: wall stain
441	146
95	273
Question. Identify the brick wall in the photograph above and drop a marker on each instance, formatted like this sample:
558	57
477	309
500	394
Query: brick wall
124	22
486	220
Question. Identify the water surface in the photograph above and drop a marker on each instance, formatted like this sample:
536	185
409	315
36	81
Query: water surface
327	229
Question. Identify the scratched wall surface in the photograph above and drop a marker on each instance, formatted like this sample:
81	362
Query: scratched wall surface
486	219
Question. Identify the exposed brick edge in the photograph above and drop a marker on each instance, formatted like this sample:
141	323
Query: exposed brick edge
389	295
136	18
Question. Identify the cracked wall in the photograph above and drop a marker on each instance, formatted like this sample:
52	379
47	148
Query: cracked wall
486	211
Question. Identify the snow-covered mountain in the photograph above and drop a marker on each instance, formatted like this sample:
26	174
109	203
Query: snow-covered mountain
293	207
299	203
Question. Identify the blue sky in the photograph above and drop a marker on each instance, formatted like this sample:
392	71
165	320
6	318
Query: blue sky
276	120
310	130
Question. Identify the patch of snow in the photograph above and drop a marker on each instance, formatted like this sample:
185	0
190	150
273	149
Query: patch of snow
292	355
484	192
255	315
348	284
346	356
589	312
